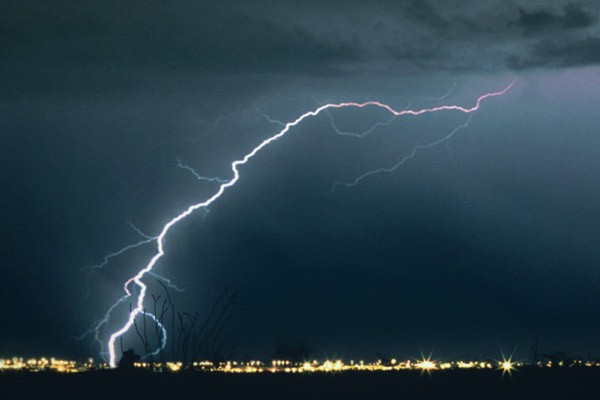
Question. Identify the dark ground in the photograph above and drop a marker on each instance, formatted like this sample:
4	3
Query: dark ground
557	383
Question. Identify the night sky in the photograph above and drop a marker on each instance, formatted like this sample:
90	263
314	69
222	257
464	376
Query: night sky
475	245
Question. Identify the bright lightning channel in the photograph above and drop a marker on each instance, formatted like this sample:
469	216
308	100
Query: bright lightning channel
374	127
335	127
137	279
97	326
367	132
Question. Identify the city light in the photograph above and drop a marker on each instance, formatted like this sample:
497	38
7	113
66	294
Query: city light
507	366
426	365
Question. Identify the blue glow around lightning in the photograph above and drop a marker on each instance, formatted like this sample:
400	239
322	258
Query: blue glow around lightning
404	159
197	175
163	336
137	279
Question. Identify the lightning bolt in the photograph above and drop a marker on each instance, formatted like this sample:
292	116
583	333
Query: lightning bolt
137	279
97	326
197	175
361	134
108	257
410	155
373	127
334	125
117	253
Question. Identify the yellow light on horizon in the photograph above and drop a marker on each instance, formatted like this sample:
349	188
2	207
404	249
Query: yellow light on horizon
507	366
426	365
327	366
174	367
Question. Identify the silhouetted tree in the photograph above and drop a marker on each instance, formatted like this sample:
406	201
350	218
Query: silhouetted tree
189	339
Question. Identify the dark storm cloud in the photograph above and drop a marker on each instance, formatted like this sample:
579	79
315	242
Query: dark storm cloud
573	17
581	52
209	39
493	38
570	54
425	13
561	38
219	40
112	42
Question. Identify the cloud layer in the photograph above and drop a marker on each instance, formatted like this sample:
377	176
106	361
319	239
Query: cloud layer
300	37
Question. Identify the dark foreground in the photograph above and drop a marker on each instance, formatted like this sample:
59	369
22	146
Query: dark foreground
534	383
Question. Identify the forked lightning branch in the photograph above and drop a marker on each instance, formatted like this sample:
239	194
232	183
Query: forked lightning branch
225	184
